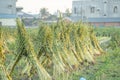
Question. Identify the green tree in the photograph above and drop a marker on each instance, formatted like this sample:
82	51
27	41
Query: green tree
44	13
67	11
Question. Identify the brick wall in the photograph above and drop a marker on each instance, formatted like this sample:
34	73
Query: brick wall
108	24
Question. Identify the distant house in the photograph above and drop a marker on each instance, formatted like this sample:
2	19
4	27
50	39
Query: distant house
97	12
8	12
24	15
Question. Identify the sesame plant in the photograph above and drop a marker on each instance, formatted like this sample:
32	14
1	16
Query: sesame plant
3	72
25	48
55	51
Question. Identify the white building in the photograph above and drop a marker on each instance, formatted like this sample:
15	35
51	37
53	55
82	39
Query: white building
8	12
96	11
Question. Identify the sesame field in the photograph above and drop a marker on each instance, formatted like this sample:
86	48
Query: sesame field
59	51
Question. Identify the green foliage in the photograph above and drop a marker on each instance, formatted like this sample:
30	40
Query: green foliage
115	40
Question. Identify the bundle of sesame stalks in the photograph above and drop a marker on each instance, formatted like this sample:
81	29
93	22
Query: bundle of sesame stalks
25	49
3	72
59	48
64	47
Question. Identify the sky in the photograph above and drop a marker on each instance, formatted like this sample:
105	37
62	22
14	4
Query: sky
34	6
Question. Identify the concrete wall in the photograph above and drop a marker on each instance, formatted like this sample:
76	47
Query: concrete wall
8	12
102	8
7	6
109	24
8	22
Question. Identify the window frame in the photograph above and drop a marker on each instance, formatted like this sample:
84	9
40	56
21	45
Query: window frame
92	9
115	9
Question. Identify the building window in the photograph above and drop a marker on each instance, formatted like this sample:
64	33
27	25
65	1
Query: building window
98	10
75	10
104	15
115	10
9	6
92	10
105	2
